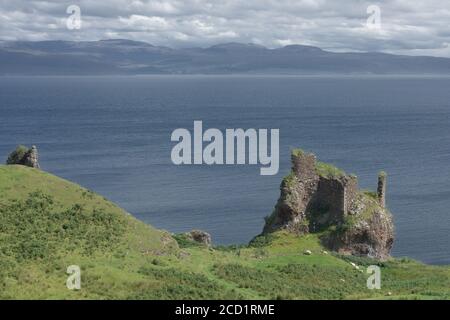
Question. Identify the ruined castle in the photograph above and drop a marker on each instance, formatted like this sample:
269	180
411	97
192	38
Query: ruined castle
25	157
316	196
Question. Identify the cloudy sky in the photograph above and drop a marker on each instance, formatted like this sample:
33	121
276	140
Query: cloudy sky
405	26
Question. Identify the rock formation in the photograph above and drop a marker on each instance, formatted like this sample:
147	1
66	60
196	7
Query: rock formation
319	198
199	236
24	156
32	158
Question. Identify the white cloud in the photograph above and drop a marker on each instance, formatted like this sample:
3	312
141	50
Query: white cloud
407	26
144	23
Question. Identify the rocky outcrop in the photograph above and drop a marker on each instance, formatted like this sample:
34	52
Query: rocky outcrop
199	236
24	156
370	236
31	158
319	198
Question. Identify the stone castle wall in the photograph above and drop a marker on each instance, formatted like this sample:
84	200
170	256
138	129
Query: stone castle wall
31	158
314	198
304	166
333	194
351	192
328	199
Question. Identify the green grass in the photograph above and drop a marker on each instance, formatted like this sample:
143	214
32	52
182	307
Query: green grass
290	180
47	224
371	194
185	242
297	152
327	170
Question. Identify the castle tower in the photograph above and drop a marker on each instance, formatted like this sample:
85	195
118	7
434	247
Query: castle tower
31	158
381	190
304	165
34	157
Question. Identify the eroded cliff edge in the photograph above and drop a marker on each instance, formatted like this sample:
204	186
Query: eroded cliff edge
319	198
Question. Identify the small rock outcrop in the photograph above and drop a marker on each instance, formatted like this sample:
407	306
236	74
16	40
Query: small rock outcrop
24	156
319	198
199	236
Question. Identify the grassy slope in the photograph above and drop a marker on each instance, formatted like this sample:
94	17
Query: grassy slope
121	257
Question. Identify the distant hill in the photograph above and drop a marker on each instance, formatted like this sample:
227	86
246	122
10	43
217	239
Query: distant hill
120	56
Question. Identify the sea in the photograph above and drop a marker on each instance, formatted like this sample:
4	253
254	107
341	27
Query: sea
113	135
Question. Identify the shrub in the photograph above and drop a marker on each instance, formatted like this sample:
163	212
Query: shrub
36	228
327	170
290	180
185	242
297	152
17	155
261	241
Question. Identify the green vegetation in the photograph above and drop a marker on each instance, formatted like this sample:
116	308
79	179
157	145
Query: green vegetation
269	219
297	152
185	242
371	194
327	170
369	200
48	224
261	240
290	180
323	169
17	155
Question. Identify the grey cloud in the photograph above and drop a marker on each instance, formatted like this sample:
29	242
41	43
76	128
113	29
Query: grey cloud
408	27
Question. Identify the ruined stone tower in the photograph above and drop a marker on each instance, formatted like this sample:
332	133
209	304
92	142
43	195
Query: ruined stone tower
32	158
314	192
25	157
317	197
381	190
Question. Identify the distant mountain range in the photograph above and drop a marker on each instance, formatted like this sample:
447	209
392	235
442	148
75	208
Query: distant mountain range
119	56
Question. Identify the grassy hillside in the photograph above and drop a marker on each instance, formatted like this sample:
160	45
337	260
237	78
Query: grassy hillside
47	224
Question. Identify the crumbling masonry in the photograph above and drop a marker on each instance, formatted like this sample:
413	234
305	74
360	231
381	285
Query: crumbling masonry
317	197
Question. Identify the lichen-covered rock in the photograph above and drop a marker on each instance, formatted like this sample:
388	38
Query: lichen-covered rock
368	232
24	156
199	236
32	158
317	197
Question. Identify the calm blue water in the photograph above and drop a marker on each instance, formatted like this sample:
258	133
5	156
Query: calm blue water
112	135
